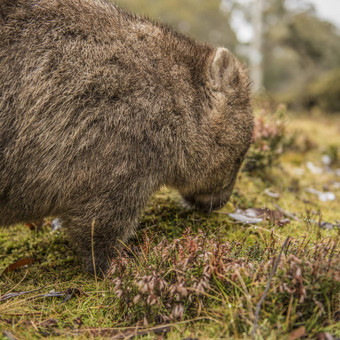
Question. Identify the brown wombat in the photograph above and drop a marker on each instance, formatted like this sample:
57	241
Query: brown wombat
99	108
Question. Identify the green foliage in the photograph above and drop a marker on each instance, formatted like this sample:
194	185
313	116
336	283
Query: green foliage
325	92
298	49
314	40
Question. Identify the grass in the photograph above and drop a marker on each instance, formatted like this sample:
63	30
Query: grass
193	275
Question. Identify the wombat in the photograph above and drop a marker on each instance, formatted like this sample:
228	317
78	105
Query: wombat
99	108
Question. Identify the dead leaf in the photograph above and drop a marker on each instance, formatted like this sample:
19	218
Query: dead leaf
325	336
314	169
242	217
297	333
326	160
323	196
257	215
283	222
56	224
78	322
18	264
328	225
35	225
273	216
49	323
286	213
271	194
70	293
336	185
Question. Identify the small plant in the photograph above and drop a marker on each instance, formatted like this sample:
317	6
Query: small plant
333	152
269	139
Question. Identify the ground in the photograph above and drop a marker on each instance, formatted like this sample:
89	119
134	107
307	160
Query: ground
193	275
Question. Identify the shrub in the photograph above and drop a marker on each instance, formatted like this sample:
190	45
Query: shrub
325	92
200	274
270	139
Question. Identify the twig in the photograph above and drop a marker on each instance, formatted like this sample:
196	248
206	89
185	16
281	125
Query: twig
93	259
12	295
286	213
92	251
259	304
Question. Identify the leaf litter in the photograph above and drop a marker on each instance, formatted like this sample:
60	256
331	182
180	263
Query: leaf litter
271	194
19	264
258	215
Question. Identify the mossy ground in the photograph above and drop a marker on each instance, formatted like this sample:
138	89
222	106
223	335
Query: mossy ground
305	291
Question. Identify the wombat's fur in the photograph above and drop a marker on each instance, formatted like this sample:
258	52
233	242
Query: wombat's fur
100	108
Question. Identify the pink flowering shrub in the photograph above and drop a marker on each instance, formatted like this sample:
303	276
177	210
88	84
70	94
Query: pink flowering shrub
270	139
162	282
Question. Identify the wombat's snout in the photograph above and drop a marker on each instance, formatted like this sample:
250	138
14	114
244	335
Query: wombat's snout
207	202
215	199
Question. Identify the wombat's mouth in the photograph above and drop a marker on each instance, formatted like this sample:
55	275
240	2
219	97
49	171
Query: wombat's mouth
206	203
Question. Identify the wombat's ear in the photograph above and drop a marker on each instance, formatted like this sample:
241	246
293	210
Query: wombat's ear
224	70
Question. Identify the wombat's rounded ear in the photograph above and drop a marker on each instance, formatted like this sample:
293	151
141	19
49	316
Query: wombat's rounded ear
224	70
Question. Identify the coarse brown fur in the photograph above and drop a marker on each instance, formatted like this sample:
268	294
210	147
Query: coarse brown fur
99	108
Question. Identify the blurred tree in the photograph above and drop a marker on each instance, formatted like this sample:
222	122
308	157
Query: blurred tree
256	51
201	19
324	92
297	46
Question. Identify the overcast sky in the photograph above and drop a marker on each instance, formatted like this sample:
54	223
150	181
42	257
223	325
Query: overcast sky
325	9
328	9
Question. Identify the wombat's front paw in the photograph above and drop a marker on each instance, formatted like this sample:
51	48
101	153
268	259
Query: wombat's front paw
98	267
